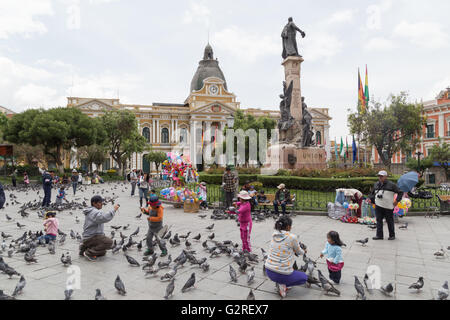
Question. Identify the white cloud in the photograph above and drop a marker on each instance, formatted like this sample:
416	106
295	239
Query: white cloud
11	70
438	87
19	17
320	45
424	34
379	44
374	13
342	16
246	45
197	12
32	95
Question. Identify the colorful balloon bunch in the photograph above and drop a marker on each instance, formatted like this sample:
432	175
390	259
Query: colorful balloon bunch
180	195
178	167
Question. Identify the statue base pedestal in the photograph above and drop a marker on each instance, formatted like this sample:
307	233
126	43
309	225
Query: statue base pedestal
289	156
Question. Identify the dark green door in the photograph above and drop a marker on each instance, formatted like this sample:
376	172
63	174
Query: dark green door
145	165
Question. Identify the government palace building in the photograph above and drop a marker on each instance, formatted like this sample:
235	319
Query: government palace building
175	127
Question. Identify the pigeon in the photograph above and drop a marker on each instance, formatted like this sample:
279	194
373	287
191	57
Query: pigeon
138	216
167	235
62	240
151	271
387	289
20	225
72	234
417	285
174	243
440	253
8	217
66	259
197	237
6	236
169	289
363	242
204	266
202	216
163	265
98	295
210	227
68	294
4	296
372	227
233	274
126	227
132	261
135	233
187	244
77	220
250	275
189	283
19	286
251	295
404	226
211	236
359	289
118	284
443	291
139	246
116	227
185	236
327	286
264	253
366	278
10	253
51	247
29	258
170	275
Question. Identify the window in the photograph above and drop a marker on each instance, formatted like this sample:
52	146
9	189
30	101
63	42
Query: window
146	134
318	138
183	135
430	130
165	135
107	165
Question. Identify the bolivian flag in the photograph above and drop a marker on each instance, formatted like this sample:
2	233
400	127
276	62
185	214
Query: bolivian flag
361	97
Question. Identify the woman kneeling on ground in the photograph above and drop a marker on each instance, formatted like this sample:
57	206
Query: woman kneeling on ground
280	261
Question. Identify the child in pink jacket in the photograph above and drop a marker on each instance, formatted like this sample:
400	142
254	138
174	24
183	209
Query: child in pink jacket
245	219
51	225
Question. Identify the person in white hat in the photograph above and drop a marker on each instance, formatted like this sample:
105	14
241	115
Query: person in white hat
282	198
74	179
245	219
383	197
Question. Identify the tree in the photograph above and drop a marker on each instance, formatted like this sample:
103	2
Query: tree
157	157
391	128
122	135
27	153
3	124
55	130
425	163
92	154
441	153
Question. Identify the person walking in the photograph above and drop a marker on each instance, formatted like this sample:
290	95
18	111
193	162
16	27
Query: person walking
383	197
14	179
133	181
47	183
2	196
95	243
143	188
74	178
229	186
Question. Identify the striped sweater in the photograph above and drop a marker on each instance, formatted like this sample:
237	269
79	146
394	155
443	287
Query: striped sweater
283	248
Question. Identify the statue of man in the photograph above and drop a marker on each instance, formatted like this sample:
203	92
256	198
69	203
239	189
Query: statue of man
306	122
289	42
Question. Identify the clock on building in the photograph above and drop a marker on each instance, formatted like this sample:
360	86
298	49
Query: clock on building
213	89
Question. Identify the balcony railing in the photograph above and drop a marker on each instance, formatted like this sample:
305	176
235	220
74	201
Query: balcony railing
430	135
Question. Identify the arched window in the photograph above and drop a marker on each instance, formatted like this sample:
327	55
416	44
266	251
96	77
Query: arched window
183	135
146	134
318	138
165	135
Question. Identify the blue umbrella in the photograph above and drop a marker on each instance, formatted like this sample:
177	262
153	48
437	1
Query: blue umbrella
408	181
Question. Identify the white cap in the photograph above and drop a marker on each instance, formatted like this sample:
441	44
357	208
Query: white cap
244	195
382	173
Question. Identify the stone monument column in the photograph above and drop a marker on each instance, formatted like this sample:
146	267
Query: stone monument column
292	68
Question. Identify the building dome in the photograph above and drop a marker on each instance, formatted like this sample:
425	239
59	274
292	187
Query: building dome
208	67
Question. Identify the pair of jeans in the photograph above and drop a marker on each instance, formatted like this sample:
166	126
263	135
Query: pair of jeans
246	230
47	196
133	188
388	214
335	275
96	245
283	206
143	194
229	195
47	238
74	186
296	278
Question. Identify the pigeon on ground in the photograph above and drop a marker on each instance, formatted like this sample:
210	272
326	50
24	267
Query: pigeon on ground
366	278
62	240
404	226
440	253
170	275
19	286
20	225
98	295
443	291
417	285
197	237
167	235
173	242
66	259
327	286
169	289
132	261
29	258
126	227
210	227
359	289
72	234
118	284
77	220
139	216
163	265
204	266
211	236
185	236
51	247
68	294
116	227
135	233
233	274
387	289
6	236
139	246
251	295
202	216
363	242
189	284
4	296
250	275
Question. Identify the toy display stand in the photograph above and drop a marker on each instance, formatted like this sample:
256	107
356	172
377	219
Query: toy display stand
191	207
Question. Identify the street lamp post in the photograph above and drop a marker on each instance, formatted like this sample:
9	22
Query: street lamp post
419	154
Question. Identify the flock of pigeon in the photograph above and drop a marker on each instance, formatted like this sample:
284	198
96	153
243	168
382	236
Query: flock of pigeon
196	252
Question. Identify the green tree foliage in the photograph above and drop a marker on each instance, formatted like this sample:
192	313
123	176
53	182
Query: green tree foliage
389	128
441	153
157	157
55	130
122	135
92	154
425	163
3	124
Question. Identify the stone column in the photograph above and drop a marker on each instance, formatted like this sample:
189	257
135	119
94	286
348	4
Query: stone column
192	144
441	132
153	131
292	67
326	135
207	144
158	133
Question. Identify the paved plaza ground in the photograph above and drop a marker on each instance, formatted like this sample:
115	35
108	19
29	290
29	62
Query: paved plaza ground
401	261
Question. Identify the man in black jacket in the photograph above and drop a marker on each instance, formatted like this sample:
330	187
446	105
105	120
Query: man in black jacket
47	182
383	197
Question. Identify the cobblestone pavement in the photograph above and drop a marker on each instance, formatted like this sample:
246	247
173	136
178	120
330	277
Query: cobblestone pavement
401	261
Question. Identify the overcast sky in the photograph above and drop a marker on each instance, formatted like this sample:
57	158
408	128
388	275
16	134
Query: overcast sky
147	51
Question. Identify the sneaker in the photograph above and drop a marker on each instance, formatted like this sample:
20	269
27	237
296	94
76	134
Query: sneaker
376	238
391	238
163	253
282	290
90	258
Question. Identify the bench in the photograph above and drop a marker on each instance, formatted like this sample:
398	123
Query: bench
271	198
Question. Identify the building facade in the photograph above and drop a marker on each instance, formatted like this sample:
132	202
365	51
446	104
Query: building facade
181	127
